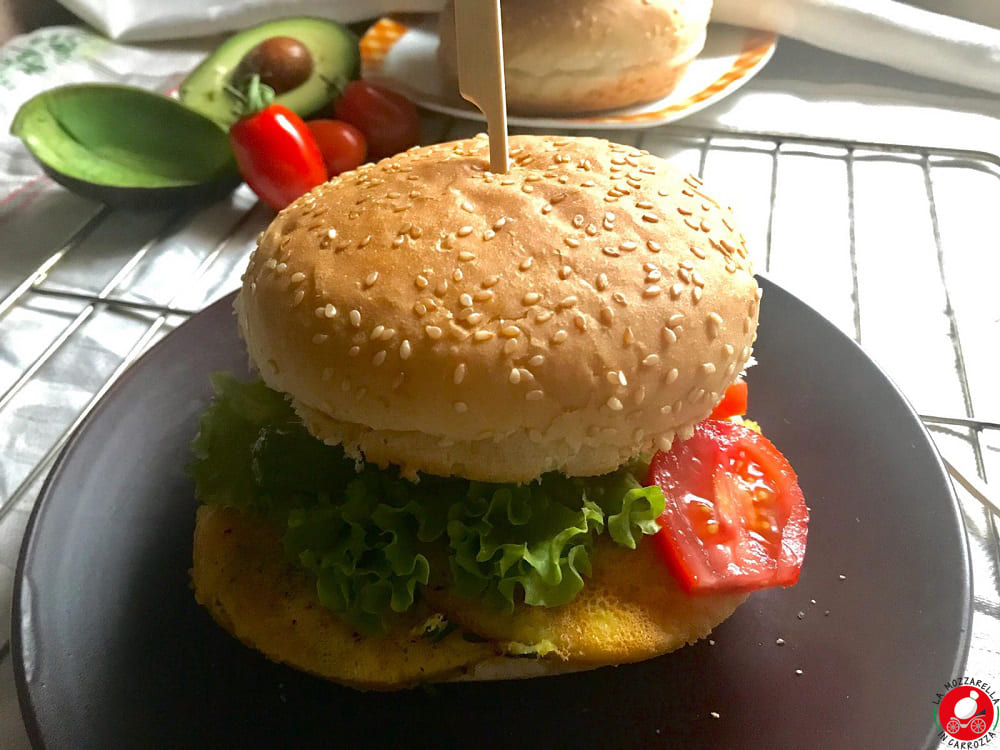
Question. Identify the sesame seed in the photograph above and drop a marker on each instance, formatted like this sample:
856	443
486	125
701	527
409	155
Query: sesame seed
465	299
510	346
464	231
421	282
298	297
482	335
676	290
474	318
653	275
281	267
607	315
510	332
354	351
543	315
571	242
591	230
331	233
515	376
531	298
696	294
482	295
330	311
319	338
602	282
319	312
610	251
377	331
671	376
420	308
526	264
536	361
365	241
297	277
433	332
565	272
708	368
459	375
461	407
457	275
465	255
441	289
614	404
580	322
643	204
466	206
535	395
675	320
559	336
355	317
628	337
488	235
651	360
578	221
713	323
629	245
490	282
379	357
619	298
568	301
651	291
404	349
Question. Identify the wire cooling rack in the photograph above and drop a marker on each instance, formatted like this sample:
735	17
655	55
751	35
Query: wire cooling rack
892	243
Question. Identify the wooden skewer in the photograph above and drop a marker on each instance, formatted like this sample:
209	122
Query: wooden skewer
479	42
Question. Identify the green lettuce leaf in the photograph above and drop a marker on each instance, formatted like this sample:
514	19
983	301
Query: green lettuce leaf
368	535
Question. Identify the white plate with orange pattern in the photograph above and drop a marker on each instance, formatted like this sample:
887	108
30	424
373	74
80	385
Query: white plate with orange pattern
404	57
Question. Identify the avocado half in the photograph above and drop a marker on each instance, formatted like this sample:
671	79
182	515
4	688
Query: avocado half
336	60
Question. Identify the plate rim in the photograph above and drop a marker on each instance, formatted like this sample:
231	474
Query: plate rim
29	716
757	51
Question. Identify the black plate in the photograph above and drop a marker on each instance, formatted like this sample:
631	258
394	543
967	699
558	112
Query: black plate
111	650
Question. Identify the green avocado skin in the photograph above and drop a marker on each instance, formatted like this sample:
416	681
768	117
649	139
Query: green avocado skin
336	60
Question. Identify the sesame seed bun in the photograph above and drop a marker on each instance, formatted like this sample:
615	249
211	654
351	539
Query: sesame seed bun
587	306
580	55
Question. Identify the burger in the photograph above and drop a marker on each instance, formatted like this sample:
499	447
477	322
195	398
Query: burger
496	431
565	56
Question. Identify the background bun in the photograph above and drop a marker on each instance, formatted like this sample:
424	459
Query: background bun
422	311
580	55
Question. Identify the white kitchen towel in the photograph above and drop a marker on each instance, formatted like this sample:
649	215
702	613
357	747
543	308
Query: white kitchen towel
934	40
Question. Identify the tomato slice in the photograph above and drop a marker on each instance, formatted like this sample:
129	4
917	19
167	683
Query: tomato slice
735	517
733	403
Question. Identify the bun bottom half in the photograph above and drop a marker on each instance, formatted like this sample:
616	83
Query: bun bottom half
629	611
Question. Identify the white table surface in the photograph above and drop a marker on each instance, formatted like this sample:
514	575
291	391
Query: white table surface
803	91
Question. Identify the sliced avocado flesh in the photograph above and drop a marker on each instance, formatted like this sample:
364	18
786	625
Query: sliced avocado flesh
122	145
336	60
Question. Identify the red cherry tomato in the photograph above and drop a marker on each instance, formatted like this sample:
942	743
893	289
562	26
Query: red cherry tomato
389	121
343	145
735	518
277	155
733	403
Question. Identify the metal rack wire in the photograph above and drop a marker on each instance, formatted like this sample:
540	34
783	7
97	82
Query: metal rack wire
170	264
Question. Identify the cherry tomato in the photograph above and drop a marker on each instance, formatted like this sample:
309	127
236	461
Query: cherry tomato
388	120
733	403
735	518
343	145
277	155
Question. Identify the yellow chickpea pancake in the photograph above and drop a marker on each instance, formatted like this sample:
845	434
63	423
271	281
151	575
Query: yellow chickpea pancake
467	380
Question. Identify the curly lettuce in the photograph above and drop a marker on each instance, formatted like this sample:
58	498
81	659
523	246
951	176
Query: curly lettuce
369	536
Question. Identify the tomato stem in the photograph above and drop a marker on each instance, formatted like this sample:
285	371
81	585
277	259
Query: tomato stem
253	98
